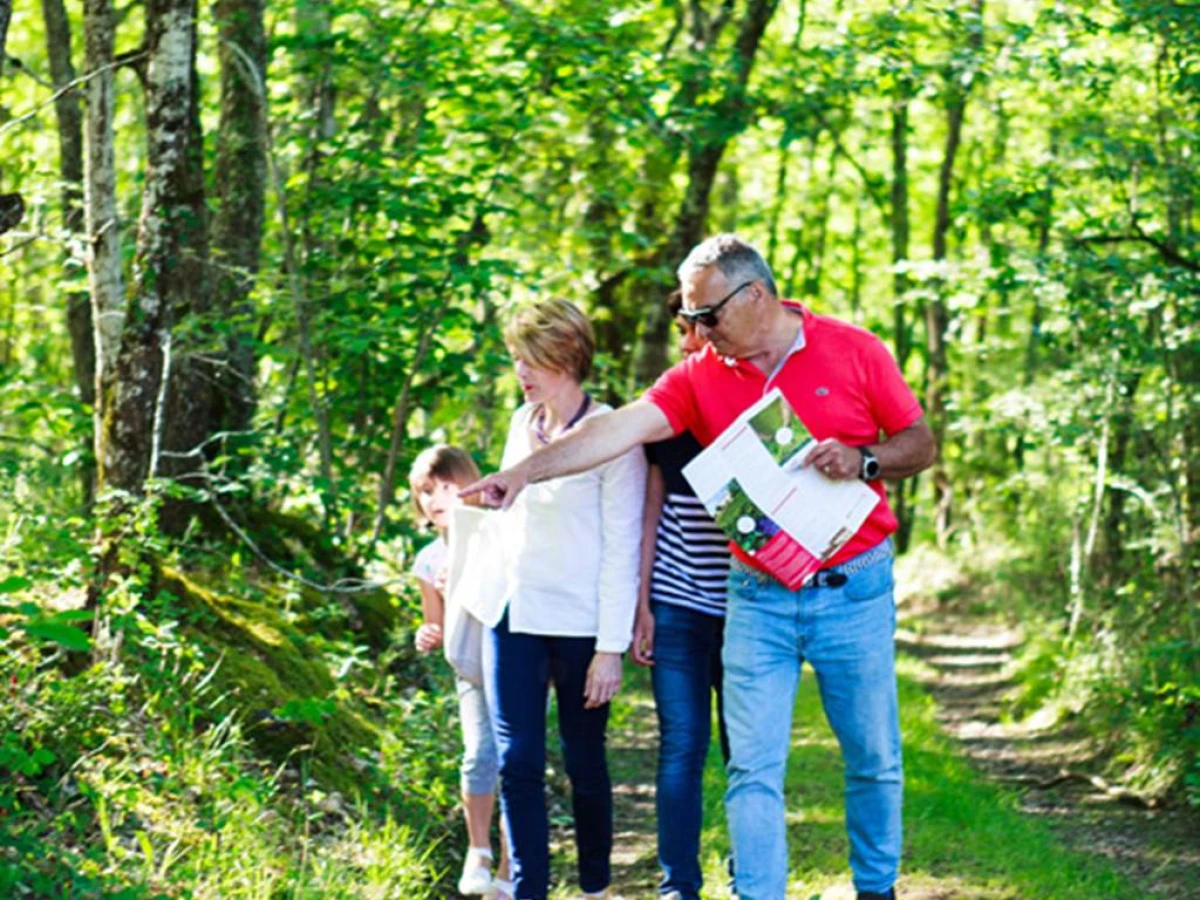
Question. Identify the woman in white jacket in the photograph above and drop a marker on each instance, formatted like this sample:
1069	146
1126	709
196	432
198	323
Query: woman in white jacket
572	582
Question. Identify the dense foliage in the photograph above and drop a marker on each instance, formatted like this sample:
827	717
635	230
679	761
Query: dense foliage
1006	191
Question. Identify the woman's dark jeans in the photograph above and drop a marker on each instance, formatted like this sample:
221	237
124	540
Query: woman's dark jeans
686	674
518	669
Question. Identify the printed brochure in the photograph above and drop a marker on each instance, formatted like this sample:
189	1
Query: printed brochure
787	517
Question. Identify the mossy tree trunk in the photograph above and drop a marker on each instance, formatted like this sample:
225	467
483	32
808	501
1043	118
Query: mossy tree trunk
170	255
237	227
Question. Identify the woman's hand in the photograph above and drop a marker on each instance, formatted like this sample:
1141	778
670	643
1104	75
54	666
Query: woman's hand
642	649
429	637
603	680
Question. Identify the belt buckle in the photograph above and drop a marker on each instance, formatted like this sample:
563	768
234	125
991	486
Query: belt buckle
832	579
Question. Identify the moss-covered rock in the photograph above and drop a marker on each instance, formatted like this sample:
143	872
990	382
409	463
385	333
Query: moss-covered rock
267	674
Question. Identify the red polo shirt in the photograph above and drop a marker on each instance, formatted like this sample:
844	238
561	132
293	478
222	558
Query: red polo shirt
840	379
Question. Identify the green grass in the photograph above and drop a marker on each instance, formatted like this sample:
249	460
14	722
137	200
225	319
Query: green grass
965	838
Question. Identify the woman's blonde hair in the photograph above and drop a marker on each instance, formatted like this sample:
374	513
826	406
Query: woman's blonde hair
553	335
444	462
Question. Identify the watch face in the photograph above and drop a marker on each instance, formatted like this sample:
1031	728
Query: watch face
870	468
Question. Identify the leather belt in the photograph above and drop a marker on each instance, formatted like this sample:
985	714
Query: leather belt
834	576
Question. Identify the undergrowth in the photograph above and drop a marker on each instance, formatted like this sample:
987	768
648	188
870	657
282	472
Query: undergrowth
165	769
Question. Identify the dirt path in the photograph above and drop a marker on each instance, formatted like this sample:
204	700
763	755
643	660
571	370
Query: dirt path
970	665
632	755
968	671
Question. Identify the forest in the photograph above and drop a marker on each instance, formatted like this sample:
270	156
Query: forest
255	257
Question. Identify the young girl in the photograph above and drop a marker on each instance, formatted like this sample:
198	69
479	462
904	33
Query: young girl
437	475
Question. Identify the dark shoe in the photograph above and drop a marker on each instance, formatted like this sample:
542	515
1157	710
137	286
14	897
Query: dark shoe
873	895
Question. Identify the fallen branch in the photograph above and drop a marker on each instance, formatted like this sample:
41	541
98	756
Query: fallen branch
1116	792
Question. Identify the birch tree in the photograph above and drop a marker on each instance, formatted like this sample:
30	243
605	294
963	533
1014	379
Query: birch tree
134	395
103	246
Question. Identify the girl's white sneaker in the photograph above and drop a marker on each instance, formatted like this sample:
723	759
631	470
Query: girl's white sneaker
476	878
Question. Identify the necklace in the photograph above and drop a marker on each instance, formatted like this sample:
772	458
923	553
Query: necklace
539	423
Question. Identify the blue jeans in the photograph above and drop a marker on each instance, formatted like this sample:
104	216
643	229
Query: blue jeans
687	672
518	669
846	634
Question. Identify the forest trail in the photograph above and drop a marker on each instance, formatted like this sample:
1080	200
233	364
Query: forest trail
965	664
969	666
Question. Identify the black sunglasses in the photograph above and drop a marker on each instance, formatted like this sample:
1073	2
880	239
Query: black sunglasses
707	315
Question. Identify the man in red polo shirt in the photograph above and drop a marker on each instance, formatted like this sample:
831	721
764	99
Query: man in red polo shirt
849	393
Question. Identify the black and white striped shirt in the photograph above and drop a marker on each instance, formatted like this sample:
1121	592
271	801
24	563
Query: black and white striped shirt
691	554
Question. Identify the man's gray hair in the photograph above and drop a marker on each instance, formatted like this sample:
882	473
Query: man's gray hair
737	259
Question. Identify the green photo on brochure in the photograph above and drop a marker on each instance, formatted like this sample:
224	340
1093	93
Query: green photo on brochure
782	433
742	520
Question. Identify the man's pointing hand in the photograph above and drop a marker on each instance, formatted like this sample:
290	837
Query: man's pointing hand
500	490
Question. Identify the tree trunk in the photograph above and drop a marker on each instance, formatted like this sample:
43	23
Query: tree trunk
901	338
186	420
169	261
856	275
100	203
314	20
781	176
937	316
69	115
1045	223
601	220
5	18
816	266
900	226
704	158
801	248
241	191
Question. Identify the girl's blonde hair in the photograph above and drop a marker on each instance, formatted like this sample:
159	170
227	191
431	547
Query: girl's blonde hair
553	335
444	462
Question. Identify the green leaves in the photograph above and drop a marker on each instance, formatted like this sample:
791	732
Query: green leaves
14	583
40	625
66	636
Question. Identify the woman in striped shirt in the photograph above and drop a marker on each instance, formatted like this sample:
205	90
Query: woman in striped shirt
679	631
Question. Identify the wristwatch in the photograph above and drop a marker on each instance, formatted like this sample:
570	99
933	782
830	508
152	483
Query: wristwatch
870	465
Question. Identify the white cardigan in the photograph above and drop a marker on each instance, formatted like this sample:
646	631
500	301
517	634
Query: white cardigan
572	547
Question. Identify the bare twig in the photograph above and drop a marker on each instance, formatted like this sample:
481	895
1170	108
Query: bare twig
1168	252
21	245
25	70
341	586
124	60
198	451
